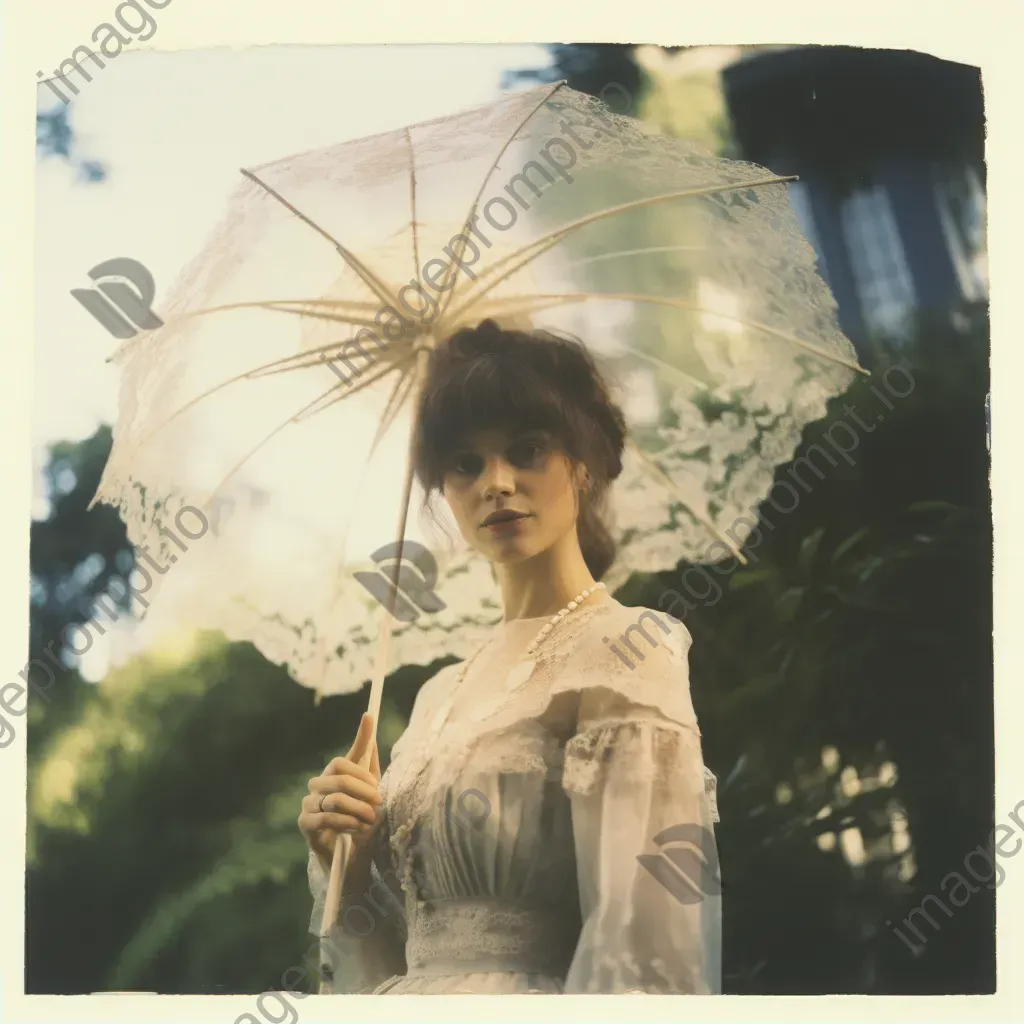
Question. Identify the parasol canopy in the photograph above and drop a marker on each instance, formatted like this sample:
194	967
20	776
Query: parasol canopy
288	358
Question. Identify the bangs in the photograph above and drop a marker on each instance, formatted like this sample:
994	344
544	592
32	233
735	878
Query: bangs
490	393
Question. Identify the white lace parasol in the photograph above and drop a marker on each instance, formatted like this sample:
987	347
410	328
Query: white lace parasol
287	361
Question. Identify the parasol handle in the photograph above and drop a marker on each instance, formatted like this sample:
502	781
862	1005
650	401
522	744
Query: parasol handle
343	844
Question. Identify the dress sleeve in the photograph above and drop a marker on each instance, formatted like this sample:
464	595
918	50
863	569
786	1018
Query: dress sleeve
367	942
643	814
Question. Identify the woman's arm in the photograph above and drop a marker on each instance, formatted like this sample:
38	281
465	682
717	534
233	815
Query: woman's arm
643	824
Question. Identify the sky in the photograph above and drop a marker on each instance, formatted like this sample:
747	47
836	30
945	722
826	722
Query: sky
172	130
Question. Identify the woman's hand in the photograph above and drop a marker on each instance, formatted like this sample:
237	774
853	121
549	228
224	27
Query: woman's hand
343	799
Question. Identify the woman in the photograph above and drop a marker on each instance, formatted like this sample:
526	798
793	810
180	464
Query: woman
511	845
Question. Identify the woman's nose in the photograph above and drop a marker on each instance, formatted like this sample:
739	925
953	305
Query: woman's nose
497	478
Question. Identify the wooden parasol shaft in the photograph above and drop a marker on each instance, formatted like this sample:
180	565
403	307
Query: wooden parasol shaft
343	845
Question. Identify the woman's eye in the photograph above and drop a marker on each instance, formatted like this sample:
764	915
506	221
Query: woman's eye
466	464
525	453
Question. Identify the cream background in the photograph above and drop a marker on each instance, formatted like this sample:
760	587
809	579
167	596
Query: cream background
38	34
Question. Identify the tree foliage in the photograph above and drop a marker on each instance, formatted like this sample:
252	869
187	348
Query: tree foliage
56	138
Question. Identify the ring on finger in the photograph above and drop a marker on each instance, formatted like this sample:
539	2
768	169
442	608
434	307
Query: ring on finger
322	799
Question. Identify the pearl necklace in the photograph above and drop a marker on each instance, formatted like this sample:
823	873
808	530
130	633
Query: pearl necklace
561	614
519	675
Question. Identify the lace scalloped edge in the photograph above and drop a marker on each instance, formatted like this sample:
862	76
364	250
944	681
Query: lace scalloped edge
588	751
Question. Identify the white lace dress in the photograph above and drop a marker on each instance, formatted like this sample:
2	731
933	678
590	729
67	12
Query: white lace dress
518	850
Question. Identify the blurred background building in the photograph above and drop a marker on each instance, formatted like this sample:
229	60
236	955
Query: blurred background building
889	148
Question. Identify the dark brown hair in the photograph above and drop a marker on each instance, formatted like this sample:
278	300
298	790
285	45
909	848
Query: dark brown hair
490	377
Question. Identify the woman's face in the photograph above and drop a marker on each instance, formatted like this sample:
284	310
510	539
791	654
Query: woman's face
523	477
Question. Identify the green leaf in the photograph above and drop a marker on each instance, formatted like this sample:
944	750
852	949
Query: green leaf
850	542
809	548
789	604
751	578
936	505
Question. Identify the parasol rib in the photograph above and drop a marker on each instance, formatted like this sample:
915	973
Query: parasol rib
354	389
369	278
601	257
271	304
660	300
483	184
296	417
255	374
412	205
304	359
694	382
313	314
392	409
657	471
546	242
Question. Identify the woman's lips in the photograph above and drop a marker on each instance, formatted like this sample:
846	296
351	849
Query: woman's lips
506	525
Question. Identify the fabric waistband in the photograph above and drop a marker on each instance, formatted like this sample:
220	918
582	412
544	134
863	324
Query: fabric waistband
483	936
